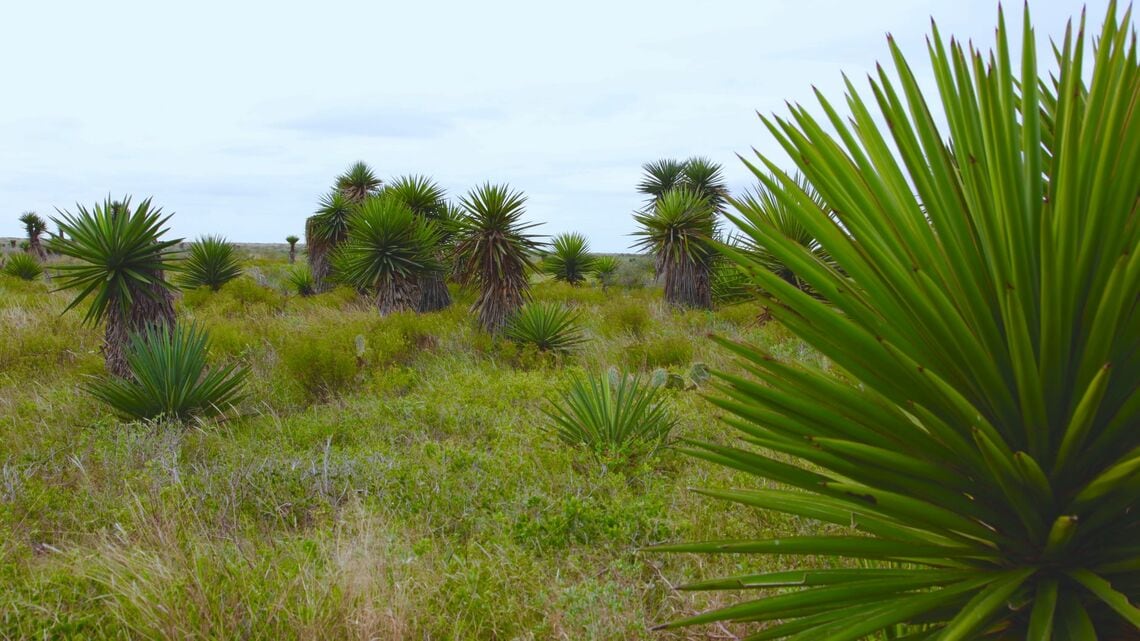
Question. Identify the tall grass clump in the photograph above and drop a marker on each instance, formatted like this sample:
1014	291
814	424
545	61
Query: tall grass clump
982	465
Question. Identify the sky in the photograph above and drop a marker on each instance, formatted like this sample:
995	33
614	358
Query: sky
236	116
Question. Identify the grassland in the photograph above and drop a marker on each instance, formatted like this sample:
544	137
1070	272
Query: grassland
408	490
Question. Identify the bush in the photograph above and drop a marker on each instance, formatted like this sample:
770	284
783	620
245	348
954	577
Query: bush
550	327
628	316
23	266
169	378
615	417
239	297
300	280
666	351
324	364
211	262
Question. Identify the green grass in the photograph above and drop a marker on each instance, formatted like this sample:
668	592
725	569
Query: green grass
401	486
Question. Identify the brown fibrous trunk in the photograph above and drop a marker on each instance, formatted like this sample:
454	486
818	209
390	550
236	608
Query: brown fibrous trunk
687	284
433	293
151	306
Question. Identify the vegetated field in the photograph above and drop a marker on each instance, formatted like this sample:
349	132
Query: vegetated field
388	478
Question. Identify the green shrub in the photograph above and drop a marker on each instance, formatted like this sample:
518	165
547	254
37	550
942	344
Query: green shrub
613	416
982	470
238	298
323	364
169	379
211	262
665	351
550	327
23	266
628	316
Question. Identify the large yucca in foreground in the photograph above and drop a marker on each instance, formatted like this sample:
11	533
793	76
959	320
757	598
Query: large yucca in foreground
121	260
987	454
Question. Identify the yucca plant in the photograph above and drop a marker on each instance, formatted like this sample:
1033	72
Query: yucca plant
979	461
551	327
211	262
358	183
696	174
569	259
34	226
300	280
604	269
493	251
762	203
23	266
388	250
679	232
121	267
292	240
615	417
324	232
169	379
429	201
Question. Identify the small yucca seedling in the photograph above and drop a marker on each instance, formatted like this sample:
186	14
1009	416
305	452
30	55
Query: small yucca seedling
614	416
551	327
300	280
604	269
169	379
212	262
569	259
23	266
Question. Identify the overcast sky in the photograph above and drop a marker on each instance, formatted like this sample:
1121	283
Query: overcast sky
237	115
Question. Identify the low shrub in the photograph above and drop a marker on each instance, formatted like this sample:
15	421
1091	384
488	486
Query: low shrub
628	316
666	351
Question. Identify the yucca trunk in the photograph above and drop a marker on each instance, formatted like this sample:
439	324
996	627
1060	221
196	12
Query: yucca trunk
501	294
433	293
35	247
318	253
151	306
687	283
397	294
292	254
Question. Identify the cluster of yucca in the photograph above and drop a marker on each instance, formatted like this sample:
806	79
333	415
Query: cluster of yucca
981	456
157	370
678	225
